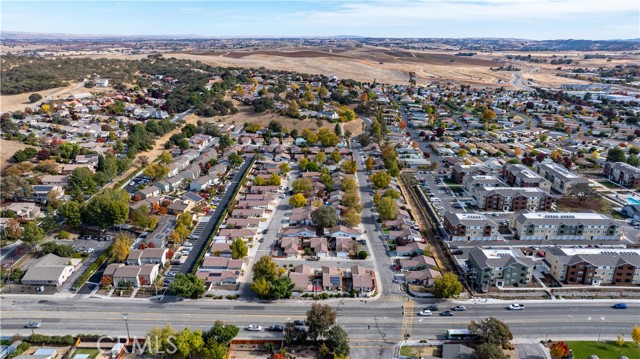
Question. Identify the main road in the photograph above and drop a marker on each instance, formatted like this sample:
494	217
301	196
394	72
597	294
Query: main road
374	327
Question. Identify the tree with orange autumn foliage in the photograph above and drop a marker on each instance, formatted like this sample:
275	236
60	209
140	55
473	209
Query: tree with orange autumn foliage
559	350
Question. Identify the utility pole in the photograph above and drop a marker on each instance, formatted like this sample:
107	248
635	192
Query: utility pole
126	322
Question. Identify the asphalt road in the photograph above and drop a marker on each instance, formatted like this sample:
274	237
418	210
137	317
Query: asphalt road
200	244
374	327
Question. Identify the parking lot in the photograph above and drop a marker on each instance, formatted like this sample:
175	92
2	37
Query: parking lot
132	186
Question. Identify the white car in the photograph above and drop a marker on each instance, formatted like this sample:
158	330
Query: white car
515	307
254	328
425	313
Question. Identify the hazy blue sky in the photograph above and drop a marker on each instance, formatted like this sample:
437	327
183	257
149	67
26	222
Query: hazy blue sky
532	19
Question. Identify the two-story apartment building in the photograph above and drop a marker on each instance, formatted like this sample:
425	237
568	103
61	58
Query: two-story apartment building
562	180
470	227
594	266
459	172
565	226
623	173
513	199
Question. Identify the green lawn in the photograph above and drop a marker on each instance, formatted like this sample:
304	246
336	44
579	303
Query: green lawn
92	352
604	350
609	184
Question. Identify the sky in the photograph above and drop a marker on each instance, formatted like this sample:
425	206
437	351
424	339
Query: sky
526	19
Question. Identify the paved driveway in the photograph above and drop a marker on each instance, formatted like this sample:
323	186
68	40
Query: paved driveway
530	351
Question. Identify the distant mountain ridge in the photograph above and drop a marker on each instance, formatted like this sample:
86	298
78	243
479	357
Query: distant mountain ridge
480	44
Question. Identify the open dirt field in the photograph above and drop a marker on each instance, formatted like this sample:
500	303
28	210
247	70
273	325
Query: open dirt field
7	149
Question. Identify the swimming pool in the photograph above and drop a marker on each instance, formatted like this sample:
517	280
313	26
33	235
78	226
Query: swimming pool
632	200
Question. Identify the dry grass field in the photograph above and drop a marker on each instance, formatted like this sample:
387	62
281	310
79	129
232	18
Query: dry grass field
7	149
19	102
246	114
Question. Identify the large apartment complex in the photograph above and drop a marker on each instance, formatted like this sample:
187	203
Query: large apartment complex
565	226
513	199
499	267
594	266
470	227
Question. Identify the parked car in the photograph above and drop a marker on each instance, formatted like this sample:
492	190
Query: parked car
459	308
313	258
619	306
515	307
254	328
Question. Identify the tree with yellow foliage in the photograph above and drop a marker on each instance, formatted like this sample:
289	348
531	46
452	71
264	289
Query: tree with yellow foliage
635	335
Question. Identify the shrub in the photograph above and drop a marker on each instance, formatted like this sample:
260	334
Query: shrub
363	255
63	235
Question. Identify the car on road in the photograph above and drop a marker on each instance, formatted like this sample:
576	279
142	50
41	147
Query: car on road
275	328
459	308
32	325
298	322
254	328
425	313
619	306
431	307
447	313
515	307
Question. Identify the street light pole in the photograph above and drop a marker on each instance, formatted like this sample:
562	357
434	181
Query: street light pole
126	322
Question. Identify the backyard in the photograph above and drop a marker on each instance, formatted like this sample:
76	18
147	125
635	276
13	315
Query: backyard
597	204
604	350
93	353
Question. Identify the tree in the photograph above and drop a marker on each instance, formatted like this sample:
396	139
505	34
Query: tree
582	191
107	208
188	286
238	249
48	166
387	209
235	159
261	287
380	179
488	115
349	166
368	163
335	156
616	154
297	200
273	180
319	319
302	185
349	184
292	335
143	219
156	171
121	248
265	268
635	334
13	229
161	340
392	193
559	350
320	157
32	234
620	340
492	331
165	157
447	286
222	333
338	340
489	351
70	210
328	139
284	168
224	143
337	129
189	342
351	218
324	217
281	288
13	187
35	97
81	179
